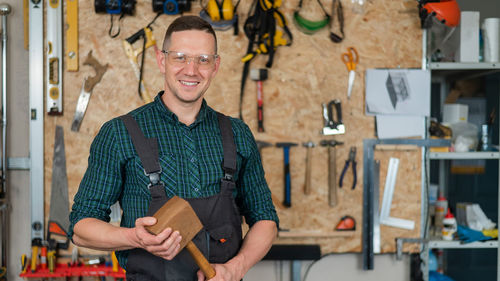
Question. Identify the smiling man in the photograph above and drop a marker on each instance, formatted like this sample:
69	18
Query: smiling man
177	146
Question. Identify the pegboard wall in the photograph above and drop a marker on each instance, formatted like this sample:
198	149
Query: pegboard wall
304	75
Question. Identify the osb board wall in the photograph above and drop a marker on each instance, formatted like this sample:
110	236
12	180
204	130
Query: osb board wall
304	75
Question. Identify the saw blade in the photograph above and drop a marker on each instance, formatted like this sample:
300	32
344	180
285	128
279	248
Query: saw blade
59	203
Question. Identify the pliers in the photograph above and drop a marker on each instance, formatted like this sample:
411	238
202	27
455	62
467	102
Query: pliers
351	159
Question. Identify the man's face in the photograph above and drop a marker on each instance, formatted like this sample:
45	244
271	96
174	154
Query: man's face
187	82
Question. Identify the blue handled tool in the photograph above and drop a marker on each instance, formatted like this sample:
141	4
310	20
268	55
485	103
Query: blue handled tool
288	182
351	159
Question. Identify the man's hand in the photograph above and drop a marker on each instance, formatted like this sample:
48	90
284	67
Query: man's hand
165	245
223	272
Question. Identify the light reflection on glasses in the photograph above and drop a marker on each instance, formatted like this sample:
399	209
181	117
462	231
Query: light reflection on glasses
181	59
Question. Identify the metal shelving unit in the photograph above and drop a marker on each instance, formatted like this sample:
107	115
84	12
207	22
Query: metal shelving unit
438	73
441	244
463	155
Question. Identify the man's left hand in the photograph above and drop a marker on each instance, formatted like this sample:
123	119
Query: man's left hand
223	272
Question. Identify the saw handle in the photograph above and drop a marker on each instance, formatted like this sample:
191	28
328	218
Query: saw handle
90	82
200	260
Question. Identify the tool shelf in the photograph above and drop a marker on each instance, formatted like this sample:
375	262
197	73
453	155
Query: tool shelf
463	65
443	244
463	155
63	270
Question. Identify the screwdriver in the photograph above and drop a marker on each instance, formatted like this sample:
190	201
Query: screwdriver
35	244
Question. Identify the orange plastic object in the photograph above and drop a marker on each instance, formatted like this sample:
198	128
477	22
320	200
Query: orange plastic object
447	12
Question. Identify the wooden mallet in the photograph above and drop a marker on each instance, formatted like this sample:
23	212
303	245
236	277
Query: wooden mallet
178	214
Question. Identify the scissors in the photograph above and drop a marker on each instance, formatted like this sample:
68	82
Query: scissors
350	58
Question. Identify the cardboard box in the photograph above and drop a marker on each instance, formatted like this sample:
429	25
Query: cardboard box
469	37
454	113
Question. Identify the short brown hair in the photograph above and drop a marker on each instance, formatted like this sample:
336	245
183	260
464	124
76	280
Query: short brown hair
184	23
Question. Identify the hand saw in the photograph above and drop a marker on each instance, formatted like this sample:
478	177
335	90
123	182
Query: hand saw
59	203
87	87
147	35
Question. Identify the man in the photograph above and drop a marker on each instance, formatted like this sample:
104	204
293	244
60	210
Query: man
190	145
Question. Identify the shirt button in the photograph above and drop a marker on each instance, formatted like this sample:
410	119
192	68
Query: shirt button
195	189
193	160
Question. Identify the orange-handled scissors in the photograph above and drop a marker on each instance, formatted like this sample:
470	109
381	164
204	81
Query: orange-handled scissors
350	59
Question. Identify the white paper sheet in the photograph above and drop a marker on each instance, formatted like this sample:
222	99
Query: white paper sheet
400	126
398	91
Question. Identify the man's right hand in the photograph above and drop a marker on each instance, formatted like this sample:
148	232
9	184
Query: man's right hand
165	245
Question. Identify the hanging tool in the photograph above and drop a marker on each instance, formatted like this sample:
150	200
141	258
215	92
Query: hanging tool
309	26
337	9
222	16
287	179
59	202
146	34
351	159
259	75
263	36
113	7
332	126
332	170
54	58
72	35
87	87
37	108
171	7
346	223
261	145
307	183
350	59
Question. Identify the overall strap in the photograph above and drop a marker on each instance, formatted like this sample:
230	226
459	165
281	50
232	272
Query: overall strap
147	149
228	147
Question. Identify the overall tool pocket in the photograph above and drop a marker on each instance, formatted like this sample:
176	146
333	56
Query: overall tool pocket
224	243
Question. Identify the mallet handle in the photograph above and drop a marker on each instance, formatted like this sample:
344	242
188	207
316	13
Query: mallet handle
200	260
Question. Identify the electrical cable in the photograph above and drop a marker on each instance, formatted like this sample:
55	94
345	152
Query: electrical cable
313	263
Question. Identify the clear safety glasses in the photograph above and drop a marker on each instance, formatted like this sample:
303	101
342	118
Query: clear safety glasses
181	59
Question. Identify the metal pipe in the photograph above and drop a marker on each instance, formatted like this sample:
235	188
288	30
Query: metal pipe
4	11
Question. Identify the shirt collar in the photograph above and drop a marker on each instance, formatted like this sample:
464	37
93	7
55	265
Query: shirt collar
172	117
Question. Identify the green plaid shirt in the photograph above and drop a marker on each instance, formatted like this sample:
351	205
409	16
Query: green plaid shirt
190	157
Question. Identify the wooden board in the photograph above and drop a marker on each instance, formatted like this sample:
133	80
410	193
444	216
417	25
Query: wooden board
303	76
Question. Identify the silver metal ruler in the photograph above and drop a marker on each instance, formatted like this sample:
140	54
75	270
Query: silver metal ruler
36	119
54	55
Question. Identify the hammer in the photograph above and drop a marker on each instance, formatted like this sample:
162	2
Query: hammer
178	214
259	75
307	183
261	145
332	170
288	184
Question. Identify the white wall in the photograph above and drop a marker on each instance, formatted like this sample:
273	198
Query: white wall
335	267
